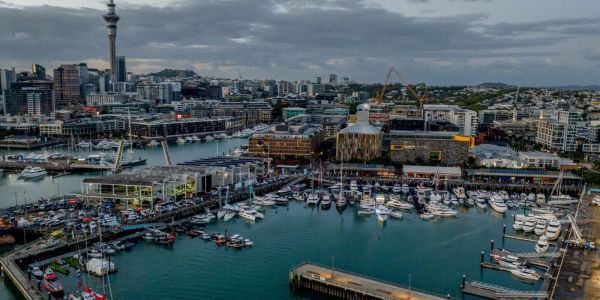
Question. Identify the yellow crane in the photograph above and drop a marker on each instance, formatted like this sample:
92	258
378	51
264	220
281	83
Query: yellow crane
411	90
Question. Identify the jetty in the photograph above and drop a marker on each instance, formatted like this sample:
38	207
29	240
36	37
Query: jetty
346	285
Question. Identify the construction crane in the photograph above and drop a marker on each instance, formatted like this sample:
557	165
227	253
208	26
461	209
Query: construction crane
165	149
119	158
411	90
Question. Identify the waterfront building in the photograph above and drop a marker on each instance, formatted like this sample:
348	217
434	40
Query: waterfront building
66	86
446	148
287	140
360	141
104	99
429	172
524	176
158	129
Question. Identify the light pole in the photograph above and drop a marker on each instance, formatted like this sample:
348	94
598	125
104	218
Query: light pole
409	279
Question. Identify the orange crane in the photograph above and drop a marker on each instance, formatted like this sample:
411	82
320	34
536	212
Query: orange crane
412	91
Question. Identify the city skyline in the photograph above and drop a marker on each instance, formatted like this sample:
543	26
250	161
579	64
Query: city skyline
290	41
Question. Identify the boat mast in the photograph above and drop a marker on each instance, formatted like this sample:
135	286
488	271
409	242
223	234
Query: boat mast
129	123
341	179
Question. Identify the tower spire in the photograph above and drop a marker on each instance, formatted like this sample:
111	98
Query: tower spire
111	19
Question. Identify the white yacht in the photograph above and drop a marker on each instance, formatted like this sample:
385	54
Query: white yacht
553	230
531	197
395	214
382	217
153	143
518	225
540	227
353	186
529	224
380	199
180	140
435	197
526	274
312	199
85	145
540	198
209	138
405	188
33	172
397	188
459	192
399	204
542	245
497	203
441	211
246	215
229	215
480	202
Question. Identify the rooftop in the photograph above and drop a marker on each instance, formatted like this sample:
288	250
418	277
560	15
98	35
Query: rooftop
432	170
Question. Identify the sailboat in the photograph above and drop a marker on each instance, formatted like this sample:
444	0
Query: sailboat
341	202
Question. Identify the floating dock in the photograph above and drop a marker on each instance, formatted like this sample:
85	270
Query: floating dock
491	291
345	285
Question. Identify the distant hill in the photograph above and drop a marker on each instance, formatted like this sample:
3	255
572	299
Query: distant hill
495	85
173	73
578	87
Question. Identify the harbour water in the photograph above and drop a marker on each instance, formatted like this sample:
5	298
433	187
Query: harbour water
435	253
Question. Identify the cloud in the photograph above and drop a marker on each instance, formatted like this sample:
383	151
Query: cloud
285	39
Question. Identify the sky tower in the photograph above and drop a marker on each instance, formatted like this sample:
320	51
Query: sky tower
111	19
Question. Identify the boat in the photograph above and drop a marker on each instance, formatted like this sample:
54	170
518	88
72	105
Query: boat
497	203
542	244
518	225
195	138
341	203
32	172
281	201
427	216
553	230
229	215
312	199
529	224
459	192
85	145
442	211
221	213
540	227
180	140
395	214
399	204
248	242
435	197
37	272
51	283
326	202
405	189
153	143
540	198
218	238
353	186
526	274
246	215
365	211
148	236
209	138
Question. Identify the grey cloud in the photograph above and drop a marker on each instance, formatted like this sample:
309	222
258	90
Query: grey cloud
274	38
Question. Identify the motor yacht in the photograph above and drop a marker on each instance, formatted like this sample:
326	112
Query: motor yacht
540	227
553	230
518	225
353	186
32	172
497	203
399	204
540	198
326	202
459	192
542	245
525	274
246	215
529	224
180	140
51	283
229	215
395	214
397	188
313	199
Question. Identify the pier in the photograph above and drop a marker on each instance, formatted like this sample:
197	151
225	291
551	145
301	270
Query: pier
57	166
345	285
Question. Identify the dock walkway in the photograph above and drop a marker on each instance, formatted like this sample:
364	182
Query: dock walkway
344	285
492	291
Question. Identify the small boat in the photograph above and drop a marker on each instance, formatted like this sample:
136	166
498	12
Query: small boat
149	236
542	245
518	225
209	138
218	238
540	198
51	283
353	185
365	211
395	214
553	230
153	143
37	272
326	202
248	242
529	224
221	213
180	140
341	203
281	201
399	204
526	274
405	189
312	199
382	217
427	216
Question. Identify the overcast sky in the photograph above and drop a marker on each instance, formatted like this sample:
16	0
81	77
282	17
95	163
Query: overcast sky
531	42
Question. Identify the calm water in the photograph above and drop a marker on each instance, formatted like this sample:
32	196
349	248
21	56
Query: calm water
436	253
30	190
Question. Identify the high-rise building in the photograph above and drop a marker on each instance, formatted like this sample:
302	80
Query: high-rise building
32	98
111	19
121	69
318	80
6	78
333	79
66	86
38	71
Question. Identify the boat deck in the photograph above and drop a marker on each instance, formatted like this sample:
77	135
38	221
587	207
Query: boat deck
345	285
